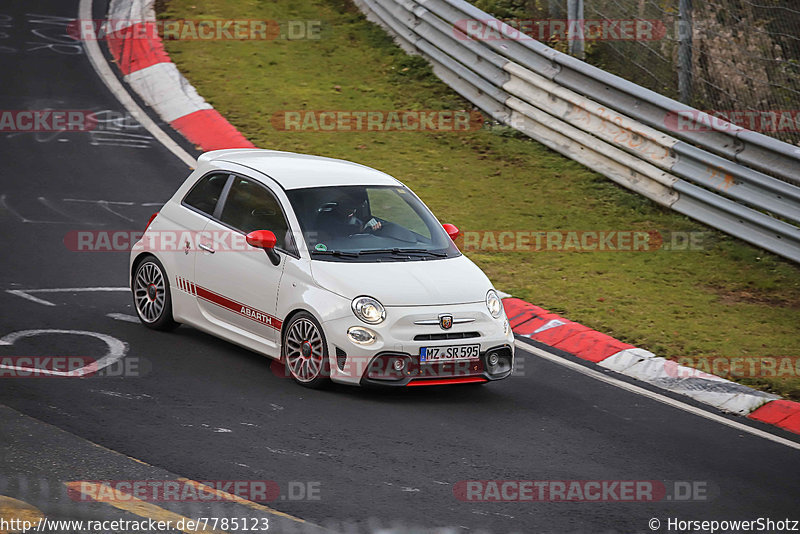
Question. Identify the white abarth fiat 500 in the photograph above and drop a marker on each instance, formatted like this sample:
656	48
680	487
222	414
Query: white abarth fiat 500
333	268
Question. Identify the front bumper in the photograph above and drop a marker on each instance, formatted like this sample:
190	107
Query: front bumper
405	331
415	373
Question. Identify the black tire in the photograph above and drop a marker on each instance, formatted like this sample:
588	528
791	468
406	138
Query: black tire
153	306
296	362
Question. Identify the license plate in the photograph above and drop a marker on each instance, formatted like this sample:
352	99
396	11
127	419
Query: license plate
449	354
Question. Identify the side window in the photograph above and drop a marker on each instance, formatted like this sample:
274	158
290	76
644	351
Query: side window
251	206
206	192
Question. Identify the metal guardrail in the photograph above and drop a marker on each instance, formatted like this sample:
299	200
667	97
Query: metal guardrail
738	181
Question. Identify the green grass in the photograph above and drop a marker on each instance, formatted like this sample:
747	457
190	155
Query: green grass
729	299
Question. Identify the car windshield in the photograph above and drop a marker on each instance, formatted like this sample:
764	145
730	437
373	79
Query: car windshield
369	223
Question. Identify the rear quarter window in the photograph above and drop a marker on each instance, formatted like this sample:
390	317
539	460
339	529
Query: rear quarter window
206	192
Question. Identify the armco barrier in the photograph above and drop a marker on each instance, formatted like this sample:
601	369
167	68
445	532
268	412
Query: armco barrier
738	181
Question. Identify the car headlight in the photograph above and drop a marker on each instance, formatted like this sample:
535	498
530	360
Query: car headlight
494	304
369	310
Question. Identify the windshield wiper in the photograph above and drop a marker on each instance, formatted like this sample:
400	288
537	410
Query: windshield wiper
337	253
404	251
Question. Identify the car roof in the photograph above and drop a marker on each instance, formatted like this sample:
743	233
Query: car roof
296	171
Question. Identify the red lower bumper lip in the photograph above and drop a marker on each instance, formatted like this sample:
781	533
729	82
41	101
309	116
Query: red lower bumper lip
445	381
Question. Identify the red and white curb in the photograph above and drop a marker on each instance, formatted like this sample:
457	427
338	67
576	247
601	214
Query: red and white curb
533	322
147	69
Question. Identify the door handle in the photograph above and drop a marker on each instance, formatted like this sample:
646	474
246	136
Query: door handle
206	248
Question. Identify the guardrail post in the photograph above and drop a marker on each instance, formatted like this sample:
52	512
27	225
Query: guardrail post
555	11
575	31
685	26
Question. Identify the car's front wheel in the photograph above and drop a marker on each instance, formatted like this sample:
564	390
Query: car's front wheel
151	296
305	352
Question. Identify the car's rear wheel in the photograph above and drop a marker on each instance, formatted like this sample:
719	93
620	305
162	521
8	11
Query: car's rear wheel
305	352
151	295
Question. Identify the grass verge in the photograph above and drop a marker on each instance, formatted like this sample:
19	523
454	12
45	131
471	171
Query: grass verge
720	299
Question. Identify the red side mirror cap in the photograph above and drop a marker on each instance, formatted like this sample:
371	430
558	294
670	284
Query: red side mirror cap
262	239
451	230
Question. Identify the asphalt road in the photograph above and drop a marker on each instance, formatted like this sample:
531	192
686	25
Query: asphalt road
207	410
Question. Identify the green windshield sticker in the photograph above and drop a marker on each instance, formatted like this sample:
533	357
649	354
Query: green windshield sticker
320	247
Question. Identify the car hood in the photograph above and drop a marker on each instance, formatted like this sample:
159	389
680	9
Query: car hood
405	283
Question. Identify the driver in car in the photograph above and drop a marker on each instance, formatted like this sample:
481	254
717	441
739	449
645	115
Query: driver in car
351	218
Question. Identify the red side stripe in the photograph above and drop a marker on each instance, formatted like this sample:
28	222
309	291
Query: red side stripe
237	307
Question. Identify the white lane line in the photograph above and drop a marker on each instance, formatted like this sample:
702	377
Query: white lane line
46	203
129	396
106	205
117	202
653	395
116	350
76	289
103	70
25	293
4	205
123	317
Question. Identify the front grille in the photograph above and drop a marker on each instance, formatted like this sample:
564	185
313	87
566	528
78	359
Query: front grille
446	335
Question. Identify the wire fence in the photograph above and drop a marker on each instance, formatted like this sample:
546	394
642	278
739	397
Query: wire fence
737	59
